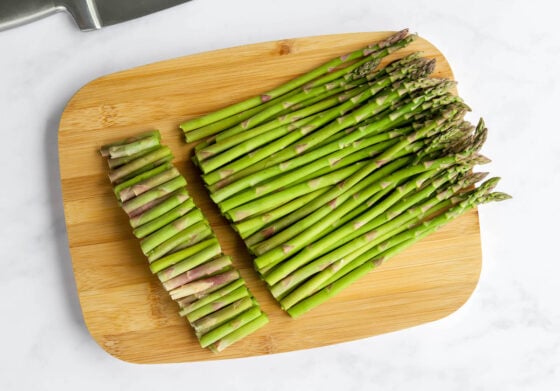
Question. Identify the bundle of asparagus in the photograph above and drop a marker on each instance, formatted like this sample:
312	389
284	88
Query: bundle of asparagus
180	246
341	168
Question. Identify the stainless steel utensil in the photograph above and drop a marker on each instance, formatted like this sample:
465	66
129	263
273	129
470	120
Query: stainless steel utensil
88	14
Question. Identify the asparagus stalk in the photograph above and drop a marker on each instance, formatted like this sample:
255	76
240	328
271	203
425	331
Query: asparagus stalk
361	149
190	262
296	143
220	303
273	246
208	268
230	326
136	166
422	108
215	319
286	87
334	87
121	161
481	195
218	128
211	297
328	198
192	235
200	286
166	218
104	150
249	226
239	333
148	184
135	206
390	243
172	259
360	228
139	178
330	291
150	141
173	228
366	66
205	294
172	201
328	154
264	131
273	200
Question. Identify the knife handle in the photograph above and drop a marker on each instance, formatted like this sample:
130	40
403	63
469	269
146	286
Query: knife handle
17	12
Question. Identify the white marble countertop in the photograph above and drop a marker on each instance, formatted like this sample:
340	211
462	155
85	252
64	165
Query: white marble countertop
505	55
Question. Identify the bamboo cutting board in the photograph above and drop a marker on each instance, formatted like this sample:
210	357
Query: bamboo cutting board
124	307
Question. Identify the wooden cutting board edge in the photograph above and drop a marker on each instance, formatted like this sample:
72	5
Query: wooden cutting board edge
101	339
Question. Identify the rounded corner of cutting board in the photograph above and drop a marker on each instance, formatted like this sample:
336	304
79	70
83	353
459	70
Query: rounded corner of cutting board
163	94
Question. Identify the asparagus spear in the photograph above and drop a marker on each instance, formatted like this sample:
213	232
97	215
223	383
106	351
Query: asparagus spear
172	201
325	202
251	225
173	228
215	319
141	177
230	326
335	273
239	333
166	218
233	136
180	255
432	126
218	304
334	87
136	166
395	214
135	206
218	128
121	161
286	87
211	297
104	150
277	253
363	94
132	148
329	154
207	268
192	235
273	200
189	262
305	142
200	286
148	184
274	159
481	195
206	295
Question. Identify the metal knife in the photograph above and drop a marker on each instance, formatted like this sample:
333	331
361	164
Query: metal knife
88	14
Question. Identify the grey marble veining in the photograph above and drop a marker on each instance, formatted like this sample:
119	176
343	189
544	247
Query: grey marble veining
505	55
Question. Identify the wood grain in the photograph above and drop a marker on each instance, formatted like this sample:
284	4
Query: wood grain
124	307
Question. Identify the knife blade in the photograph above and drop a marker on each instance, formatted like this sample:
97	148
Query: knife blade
88	14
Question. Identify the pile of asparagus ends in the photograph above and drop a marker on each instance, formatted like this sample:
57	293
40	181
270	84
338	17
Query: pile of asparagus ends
181	248
332	173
